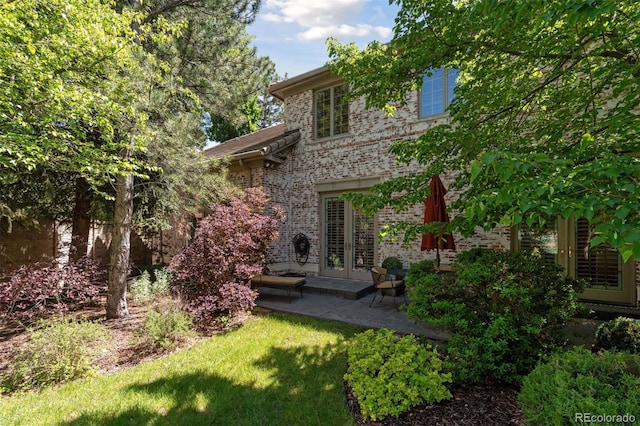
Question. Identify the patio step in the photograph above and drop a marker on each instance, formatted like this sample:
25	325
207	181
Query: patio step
347	289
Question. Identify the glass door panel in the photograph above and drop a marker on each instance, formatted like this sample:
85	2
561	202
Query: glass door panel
334	237
363	245
601	265
541	241
568	243
609	279
349	240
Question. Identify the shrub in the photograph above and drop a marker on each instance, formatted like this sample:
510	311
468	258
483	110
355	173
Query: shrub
230	247
39	290
165	325
579	382
392	263
389	374
149	286
502	311
57	351
620	334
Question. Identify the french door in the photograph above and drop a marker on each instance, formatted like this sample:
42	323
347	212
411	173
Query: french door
609	278
348	243
567	242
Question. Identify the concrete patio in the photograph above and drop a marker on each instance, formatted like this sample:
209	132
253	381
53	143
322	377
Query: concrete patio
347	301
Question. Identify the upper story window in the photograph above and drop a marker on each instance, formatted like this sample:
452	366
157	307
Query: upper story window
332	111
437	91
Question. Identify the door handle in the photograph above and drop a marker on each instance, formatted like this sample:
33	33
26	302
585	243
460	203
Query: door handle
570	251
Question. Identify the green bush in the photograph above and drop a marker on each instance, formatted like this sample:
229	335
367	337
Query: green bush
578	383
165	325
389	374
57	351
392	263
620	334
502	311
149	286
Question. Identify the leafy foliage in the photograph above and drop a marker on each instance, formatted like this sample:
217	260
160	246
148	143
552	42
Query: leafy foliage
40	290
579	381
146	288
165	325
229	249
57	351
392	263
501	309
544	122
390	374
620	334
67	73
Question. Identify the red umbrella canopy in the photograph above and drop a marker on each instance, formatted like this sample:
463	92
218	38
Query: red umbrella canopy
435	210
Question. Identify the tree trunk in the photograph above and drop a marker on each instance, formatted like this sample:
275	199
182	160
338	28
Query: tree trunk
120	249
81	220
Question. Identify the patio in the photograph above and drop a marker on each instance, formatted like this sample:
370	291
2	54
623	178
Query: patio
347	301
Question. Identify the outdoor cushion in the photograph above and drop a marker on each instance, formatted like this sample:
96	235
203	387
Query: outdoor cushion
390	284
278	281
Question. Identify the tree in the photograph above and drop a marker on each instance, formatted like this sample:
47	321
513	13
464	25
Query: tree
545	119
61	81
68	102
210	70
111	95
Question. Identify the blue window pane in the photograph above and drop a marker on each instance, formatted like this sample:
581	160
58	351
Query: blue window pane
452	75
432	96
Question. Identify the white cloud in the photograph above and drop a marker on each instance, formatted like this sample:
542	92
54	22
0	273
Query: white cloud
272	17
379	13
323	18
343	31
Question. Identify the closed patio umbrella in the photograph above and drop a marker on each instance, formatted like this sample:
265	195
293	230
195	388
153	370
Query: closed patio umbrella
435	210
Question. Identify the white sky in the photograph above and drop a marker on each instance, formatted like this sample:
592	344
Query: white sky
293	32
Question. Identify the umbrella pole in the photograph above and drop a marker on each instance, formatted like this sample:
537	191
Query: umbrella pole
437	259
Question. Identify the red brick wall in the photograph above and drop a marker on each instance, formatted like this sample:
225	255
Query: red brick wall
362	153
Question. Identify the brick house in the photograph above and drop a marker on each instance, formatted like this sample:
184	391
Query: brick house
327	146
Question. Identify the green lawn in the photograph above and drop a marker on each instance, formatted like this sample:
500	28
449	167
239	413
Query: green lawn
275	370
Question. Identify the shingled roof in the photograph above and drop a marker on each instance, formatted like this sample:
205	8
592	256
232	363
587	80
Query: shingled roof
263	143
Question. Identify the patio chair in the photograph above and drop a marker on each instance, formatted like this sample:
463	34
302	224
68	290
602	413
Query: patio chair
385	285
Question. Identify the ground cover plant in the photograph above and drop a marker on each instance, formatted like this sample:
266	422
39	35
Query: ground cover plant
150	284
579	383
165	325
619	334
389	374
275	369
58	350
502	311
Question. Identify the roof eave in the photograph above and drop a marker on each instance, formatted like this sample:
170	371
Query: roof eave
302	82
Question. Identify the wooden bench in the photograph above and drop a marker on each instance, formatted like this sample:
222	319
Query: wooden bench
278	282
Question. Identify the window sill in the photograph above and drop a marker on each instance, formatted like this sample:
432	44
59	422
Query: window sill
434	117
330	138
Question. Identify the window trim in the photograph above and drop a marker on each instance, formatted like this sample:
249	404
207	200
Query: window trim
445	95
332	111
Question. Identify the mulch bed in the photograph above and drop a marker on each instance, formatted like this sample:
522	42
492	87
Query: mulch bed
483	404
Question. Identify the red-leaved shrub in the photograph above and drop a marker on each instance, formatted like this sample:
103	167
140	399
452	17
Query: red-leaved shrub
42	289
230	247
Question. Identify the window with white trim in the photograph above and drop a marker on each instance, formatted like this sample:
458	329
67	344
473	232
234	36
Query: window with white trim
437	91
332	111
